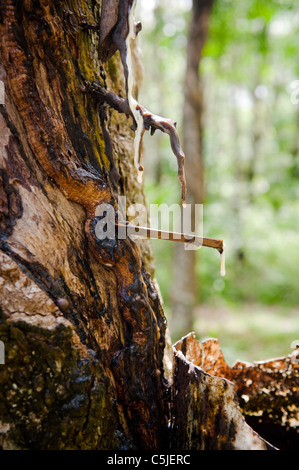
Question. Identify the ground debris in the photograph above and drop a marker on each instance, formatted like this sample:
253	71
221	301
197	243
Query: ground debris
232	407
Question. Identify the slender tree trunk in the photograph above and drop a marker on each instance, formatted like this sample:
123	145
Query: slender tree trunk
81	320
184	284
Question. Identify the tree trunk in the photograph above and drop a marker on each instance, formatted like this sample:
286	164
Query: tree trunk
184	284
82	331
81	320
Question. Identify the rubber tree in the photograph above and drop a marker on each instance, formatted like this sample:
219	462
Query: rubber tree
84	359
81	319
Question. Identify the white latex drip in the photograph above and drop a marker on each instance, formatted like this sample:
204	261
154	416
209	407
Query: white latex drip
222	262
132	102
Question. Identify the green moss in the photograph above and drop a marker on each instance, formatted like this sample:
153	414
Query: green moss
62	393
112	69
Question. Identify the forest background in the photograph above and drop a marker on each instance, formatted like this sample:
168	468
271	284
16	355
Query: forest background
249	80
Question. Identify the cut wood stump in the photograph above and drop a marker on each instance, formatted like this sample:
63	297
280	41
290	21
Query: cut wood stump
246	406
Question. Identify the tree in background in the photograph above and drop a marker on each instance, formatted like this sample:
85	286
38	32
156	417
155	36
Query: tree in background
184	289
248	71
84	363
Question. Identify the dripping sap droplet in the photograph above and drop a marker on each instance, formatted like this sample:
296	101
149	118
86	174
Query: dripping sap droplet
222	261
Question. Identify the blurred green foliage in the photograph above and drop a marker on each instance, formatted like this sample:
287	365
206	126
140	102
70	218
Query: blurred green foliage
251	146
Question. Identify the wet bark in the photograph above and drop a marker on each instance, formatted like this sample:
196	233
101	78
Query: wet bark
81	320
184	290
82	326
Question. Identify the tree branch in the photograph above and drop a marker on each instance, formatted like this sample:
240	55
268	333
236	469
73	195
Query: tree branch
151	122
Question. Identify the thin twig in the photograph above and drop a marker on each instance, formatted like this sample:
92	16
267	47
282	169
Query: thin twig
149	233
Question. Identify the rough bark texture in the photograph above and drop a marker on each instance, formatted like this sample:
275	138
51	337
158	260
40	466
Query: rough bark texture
184	290
81	320
218	396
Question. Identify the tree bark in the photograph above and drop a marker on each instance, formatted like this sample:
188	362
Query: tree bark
227	406
82	329
81	320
